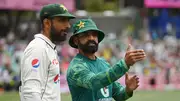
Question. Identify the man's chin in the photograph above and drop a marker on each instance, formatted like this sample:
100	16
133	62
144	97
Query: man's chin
90	51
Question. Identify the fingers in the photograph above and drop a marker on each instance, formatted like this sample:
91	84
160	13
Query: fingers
129	47
137	50
136	86
132	83
139	57
136	60
135	79
135	53
133	56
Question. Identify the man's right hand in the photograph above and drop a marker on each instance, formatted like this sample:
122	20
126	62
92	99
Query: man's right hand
133	56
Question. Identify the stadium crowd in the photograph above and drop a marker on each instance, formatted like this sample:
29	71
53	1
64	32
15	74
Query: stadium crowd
162	55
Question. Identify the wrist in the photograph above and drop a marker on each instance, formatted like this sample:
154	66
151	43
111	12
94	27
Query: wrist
126	65
128	91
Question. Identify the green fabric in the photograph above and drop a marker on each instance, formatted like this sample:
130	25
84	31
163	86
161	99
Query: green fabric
52	10
82	26
119	93
94	80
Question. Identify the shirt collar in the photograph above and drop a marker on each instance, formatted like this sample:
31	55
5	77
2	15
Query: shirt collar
47	40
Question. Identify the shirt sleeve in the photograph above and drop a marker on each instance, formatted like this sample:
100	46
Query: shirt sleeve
119	92
31	97
34	71
83	77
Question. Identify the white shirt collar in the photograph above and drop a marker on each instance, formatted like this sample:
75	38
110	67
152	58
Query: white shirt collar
47	40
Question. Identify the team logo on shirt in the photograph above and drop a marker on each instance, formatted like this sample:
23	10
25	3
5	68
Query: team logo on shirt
55	62
35	63
105	91
56	79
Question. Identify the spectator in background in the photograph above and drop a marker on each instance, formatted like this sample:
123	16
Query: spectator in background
64	64
1	52
7	75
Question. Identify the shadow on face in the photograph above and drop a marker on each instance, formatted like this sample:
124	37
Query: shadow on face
61	23
88	36
57	27
87	42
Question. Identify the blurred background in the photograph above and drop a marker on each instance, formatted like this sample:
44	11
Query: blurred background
152	25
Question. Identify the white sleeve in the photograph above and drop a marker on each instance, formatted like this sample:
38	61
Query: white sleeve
32	97
34	69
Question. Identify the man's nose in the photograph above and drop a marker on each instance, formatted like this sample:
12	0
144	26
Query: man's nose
68	25
91	37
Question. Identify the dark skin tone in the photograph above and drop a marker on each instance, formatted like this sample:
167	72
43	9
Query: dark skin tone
131	57
59	23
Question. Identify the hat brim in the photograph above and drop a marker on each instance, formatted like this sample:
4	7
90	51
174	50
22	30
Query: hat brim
68	15
100	36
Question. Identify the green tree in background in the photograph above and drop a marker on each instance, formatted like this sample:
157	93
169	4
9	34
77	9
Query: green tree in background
101	5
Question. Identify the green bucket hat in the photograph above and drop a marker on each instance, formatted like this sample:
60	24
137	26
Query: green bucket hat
82	26
53	10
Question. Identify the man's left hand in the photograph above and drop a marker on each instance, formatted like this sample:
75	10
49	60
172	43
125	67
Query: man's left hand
131	83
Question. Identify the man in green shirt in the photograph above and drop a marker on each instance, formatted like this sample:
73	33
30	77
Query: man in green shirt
91	78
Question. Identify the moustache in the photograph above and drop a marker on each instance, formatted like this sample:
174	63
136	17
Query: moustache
90	42
65	30
60	31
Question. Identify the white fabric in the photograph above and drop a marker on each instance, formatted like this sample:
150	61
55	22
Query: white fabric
40	71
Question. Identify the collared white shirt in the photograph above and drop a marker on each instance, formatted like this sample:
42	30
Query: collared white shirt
40	70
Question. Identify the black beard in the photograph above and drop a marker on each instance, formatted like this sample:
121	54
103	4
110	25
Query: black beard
57	36
88	48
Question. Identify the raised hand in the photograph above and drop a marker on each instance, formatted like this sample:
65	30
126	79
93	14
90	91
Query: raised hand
133	56
131	83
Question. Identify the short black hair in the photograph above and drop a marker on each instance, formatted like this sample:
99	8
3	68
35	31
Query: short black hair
42	19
